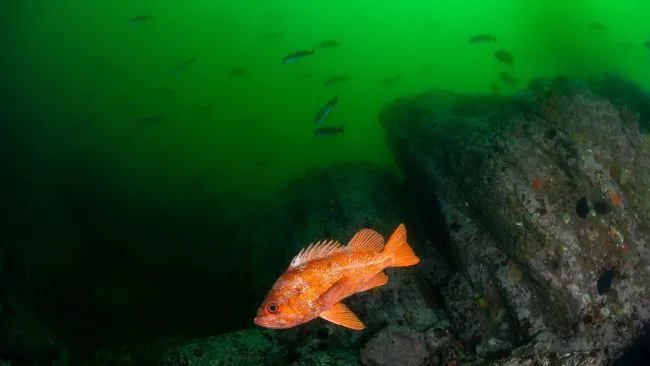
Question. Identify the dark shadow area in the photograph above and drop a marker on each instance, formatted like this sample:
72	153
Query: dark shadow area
636	354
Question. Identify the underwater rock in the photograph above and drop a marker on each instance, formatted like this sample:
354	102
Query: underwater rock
624	94
396	347
506	179
246	347
329	358
593	358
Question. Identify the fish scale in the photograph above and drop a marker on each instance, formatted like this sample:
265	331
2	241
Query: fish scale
360	266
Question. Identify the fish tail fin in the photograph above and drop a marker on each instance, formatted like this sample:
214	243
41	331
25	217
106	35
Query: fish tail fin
399	250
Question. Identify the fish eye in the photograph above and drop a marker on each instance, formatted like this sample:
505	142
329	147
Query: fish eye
272	308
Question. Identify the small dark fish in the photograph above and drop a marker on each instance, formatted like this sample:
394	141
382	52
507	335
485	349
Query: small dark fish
337	79
504	57
237	71
646	44
295	56
271	35
325	110
482	38
596	26
508	79
391	79
150	119
329	131
181	66
330	44
140	19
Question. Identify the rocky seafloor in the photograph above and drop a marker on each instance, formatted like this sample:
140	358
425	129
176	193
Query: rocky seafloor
530	214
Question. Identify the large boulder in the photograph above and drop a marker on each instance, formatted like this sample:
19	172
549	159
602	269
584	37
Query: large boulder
546	199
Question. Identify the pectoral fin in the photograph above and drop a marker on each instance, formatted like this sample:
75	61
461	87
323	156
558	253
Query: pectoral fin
339	291
343	316
378	280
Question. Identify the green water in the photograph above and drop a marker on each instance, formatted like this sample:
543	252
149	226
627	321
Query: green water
247	135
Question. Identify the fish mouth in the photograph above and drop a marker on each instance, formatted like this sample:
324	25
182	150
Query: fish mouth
261	322
266	323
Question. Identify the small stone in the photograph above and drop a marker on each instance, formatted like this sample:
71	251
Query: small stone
396	347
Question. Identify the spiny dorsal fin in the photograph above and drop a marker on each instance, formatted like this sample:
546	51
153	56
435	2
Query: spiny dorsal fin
367	240
318	250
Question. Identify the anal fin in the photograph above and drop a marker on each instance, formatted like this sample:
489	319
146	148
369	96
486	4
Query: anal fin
340	314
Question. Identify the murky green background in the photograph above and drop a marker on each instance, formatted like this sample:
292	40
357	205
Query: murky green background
247	135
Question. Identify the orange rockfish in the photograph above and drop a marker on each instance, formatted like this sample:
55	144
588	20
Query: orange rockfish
326	272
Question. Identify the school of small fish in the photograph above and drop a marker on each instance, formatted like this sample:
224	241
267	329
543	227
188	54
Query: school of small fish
322	127
324	273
